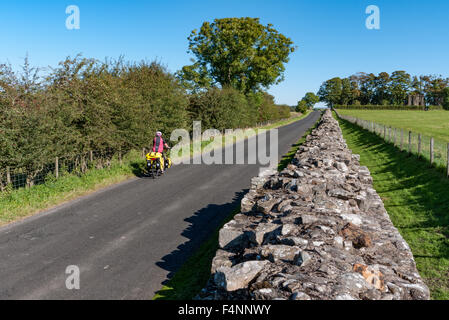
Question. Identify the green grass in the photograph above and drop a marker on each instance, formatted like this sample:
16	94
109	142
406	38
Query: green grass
286	122
194	274
416	198
427	124
431	123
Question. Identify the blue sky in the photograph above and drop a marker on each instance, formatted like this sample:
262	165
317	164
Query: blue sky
331	35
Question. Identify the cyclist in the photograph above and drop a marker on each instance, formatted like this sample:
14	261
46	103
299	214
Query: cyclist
159	146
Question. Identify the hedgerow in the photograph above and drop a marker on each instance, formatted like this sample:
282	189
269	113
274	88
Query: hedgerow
85	105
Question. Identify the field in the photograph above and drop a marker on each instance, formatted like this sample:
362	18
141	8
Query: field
415	195
432	123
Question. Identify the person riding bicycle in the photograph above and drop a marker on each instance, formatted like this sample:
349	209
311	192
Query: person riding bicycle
159	145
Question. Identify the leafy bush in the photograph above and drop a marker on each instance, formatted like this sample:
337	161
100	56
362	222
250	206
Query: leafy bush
219	109
284	111
85	105
302	107
228	108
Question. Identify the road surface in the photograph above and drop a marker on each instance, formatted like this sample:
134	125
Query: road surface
127	240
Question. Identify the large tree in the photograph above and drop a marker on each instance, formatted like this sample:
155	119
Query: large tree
382	94
311	99
330	91
400	86
434	87
302	106
237	52
446	98
346	92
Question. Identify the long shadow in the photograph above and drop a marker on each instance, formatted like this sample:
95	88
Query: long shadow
138	169
427	187
201	234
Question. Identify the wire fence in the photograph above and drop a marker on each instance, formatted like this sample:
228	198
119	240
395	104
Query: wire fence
32	175
424	146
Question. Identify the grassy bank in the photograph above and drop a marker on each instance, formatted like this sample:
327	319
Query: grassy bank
417	200
21	203
194	274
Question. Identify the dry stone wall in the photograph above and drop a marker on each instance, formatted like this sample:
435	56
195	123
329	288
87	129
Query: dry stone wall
316	231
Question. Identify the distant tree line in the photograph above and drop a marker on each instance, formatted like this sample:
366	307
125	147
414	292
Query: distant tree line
385	89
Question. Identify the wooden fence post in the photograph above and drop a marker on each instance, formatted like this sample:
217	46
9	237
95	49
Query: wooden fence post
57	167
91	156
448	160
409	142
402	139
120	156
419	144
431	151
8	175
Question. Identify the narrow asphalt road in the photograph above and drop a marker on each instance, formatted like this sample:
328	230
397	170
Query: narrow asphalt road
127	239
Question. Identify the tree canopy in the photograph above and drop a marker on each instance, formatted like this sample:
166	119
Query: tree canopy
237	52
308	102
311	99
330	91
383	89
301	107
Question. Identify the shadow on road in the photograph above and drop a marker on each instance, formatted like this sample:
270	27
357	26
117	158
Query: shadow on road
138	169
189	265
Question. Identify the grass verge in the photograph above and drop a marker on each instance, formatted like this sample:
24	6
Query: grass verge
195	272
21	203
417	200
